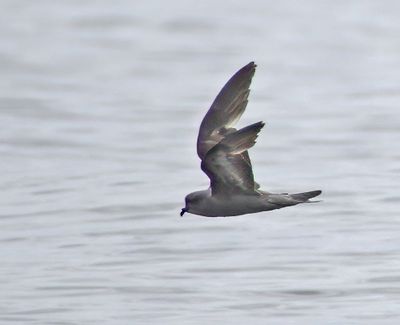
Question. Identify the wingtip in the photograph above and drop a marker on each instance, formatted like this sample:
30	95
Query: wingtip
259	124
251	66
255	126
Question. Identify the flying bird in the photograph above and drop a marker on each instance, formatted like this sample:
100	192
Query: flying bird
223	151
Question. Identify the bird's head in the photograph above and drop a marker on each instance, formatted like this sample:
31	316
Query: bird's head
192	202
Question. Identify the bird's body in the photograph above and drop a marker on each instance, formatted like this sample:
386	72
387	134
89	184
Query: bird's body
225	159
204	204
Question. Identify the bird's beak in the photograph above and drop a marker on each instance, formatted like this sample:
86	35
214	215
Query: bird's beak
182	212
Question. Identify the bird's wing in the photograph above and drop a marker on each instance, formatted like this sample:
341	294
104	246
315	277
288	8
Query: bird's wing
224	164
225	111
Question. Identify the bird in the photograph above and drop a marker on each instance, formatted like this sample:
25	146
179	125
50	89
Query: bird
223	151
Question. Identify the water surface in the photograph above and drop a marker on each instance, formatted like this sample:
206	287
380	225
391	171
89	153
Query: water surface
99	108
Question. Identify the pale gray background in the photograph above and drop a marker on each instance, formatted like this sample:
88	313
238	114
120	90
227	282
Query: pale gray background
100	102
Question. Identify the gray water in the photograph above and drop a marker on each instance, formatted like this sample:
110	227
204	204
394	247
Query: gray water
100	102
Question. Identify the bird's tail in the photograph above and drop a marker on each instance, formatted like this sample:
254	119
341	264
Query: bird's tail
284	199
305	196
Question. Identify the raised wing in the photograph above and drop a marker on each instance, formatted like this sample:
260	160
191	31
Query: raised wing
229	173
225	111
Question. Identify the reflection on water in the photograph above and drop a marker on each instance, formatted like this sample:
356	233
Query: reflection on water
100	105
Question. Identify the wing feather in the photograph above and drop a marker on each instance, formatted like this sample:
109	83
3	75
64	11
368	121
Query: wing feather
226	109
229	172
